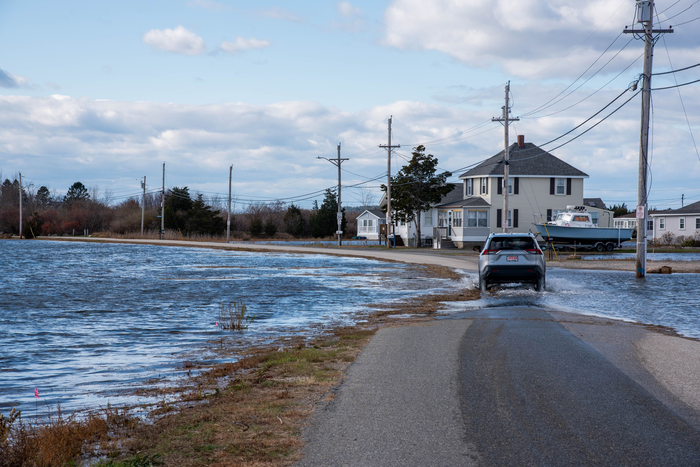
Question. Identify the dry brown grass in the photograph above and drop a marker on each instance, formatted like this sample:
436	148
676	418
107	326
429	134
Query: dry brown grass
58	440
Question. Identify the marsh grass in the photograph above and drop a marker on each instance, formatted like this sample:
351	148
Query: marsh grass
234	316
59	440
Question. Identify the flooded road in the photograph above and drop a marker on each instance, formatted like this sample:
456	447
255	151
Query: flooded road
88	324
671	300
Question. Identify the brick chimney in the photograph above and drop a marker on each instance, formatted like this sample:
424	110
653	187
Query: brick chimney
521	141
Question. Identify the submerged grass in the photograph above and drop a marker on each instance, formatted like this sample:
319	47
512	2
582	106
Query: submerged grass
234	316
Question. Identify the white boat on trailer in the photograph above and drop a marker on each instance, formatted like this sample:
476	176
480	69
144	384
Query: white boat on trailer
574	227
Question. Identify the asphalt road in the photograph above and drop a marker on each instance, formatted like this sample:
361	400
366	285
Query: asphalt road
503	388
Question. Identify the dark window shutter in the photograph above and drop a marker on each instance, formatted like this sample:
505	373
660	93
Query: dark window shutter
487	185
516	186
568	186
549	215
499	215
551	186
500	185
515	218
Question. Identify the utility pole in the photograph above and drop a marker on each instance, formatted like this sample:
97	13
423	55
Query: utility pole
645	16
143	202
20	205
388	147
228	218
506	169
162	207
337	162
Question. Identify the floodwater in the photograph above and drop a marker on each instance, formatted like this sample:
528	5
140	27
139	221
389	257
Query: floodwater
651	256
87	324
670	300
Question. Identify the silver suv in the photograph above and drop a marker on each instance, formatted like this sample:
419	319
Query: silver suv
511	257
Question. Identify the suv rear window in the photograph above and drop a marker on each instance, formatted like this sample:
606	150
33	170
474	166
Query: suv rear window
512	243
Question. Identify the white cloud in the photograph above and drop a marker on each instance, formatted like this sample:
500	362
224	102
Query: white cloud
346	9
61	139
8	80
178	40
520	36
241	44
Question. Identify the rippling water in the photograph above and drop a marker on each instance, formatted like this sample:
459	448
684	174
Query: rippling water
88	323
671	300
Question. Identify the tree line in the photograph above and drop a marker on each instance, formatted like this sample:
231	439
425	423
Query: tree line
190	214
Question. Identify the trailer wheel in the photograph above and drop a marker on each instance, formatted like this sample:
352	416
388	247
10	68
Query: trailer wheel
610	246
599	247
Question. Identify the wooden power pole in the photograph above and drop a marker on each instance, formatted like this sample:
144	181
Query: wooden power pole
388	147
337	162
228	218
143	203
20	205
645	16
162	207
506	151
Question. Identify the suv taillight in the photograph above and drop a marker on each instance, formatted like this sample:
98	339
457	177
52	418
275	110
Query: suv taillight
489	252
534	251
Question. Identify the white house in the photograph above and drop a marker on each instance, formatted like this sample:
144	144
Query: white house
540	186
368	223
684	221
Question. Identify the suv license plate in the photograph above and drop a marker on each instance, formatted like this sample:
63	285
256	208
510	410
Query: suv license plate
512	258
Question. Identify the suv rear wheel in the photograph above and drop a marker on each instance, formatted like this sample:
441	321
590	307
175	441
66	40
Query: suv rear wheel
540	284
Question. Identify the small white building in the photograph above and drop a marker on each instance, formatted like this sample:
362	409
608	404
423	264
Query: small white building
679	222
368	223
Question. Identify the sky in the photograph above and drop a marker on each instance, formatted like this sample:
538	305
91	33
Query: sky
106	92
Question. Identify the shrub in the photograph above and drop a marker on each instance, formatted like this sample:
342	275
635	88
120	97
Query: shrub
256	227
270	228
234	317
667	238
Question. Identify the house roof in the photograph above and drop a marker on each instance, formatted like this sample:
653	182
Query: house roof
693	208
376	212
594	203
454	196
633	215
528	160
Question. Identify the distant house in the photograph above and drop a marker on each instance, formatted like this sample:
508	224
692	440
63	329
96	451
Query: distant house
368	223
629	221
600	214
684	221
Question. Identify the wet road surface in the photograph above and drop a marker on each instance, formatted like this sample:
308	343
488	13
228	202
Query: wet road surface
503	387
533	394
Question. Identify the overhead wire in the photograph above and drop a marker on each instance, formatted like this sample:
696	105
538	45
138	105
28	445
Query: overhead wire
690	129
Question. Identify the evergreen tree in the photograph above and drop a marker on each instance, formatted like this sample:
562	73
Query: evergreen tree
76	193
294	221
324	221
417	188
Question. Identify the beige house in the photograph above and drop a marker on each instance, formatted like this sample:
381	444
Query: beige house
540	186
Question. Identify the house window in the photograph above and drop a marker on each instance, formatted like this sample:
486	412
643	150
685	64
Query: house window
594	217
510	185
681	223
457	218
370	223
470	186
484	185
697	223
443	220
561	186
662	223
510	218
650	225
428	220
477	219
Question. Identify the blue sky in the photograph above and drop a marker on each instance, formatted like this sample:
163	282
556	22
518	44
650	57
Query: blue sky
105	92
